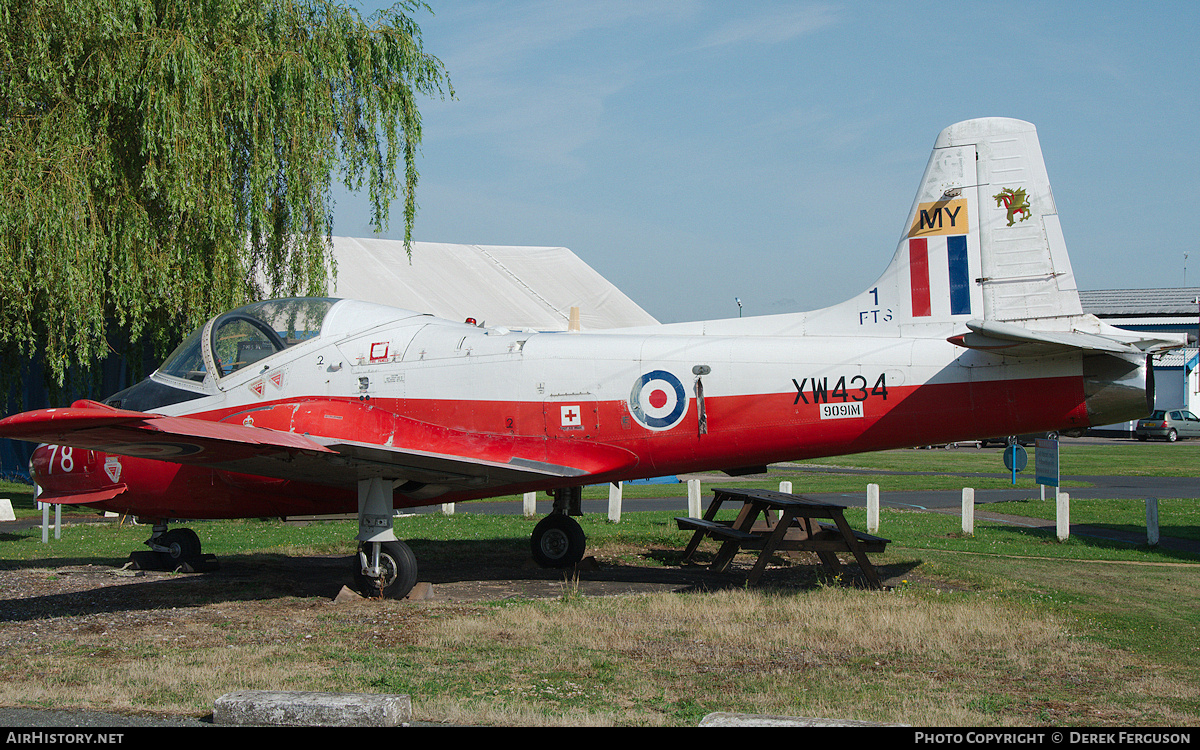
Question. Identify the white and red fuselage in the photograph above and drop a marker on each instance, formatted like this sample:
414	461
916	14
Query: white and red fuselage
765	400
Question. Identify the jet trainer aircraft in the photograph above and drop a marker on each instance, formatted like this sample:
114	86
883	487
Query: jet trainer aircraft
321	406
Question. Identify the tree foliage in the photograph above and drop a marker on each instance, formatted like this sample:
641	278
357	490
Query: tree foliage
163	160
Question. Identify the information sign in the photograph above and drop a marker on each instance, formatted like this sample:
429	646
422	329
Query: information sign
1046	462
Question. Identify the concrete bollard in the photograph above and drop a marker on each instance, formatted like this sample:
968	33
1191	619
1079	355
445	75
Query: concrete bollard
447	509
1152	521
6	511
46	521
529	504
786	488
280	708
694	498
968	510
1062	509
872	509
614	502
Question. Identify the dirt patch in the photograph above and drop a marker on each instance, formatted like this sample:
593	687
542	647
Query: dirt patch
73	590
78	602
278	617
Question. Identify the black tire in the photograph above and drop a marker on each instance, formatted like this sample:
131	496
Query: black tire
557	541
1172	436
399	566
182	546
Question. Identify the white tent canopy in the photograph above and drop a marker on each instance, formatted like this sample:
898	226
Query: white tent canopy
514	287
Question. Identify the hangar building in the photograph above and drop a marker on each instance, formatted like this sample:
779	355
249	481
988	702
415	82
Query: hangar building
1176	374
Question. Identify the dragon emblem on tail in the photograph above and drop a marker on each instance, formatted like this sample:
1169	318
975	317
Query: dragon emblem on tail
1015	201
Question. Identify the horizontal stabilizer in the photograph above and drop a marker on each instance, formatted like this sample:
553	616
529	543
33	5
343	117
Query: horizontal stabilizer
1012	340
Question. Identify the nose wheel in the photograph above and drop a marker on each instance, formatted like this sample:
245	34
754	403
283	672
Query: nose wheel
385	570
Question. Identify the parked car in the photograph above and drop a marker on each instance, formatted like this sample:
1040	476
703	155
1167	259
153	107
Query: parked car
1170	425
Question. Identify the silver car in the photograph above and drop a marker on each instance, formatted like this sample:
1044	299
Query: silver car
1169	425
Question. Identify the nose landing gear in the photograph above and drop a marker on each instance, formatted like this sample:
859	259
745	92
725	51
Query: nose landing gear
385	570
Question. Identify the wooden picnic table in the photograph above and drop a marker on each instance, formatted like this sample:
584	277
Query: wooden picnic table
798	528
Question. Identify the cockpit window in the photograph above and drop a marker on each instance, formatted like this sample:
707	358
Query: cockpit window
295	319
239	339
187	361
257	331
247	335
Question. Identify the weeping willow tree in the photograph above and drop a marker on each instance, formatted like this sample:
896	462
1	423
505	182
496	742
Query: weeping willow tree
163	160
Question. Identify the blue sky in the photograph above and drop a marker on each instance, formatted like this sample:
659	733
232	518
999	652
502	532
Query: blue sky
694	151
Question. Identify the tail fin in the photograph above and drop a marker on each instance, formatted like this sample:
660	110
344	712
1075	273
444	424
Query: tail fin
986	215
1023	300
981	242
983	251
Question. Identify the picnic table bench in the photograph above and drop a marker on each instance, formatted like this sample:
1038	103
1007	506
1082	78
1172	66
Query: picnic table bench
798	528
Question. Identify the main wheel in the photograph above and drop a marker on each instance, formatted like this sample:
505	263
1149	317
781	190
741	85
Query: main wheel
182	545
557	541
1172	436
398	571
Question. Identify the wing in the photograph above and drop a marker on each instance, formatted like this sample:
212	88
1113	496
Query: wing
291	448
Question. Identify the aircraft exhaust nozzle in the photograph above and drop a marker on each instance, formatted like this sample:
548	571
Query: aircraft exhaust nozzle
1117	388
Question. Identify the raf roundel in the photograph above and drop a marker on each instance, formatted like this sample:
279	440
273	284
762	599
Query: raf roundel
658	400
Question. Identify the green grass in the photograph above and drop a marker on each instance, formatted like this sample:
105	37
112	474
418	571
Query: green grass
1117	596
1108	459
1126	655
1177	517
943	469
21	496
426	532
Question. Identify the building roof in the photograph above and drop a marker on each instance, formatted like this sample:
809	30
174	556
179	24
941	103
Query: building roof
513	287
1178	358
1180	301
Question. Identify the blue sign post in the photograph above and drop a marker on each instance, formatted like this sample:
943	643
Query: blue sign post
1015	458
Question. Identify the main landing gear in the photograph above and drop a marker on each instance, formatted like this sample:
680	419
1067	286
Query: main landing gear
177	549
385	567
558	540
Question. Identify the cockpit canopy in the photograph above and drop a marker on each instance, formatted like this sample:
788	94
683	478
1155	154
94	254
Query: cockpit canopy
241	337
229	343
